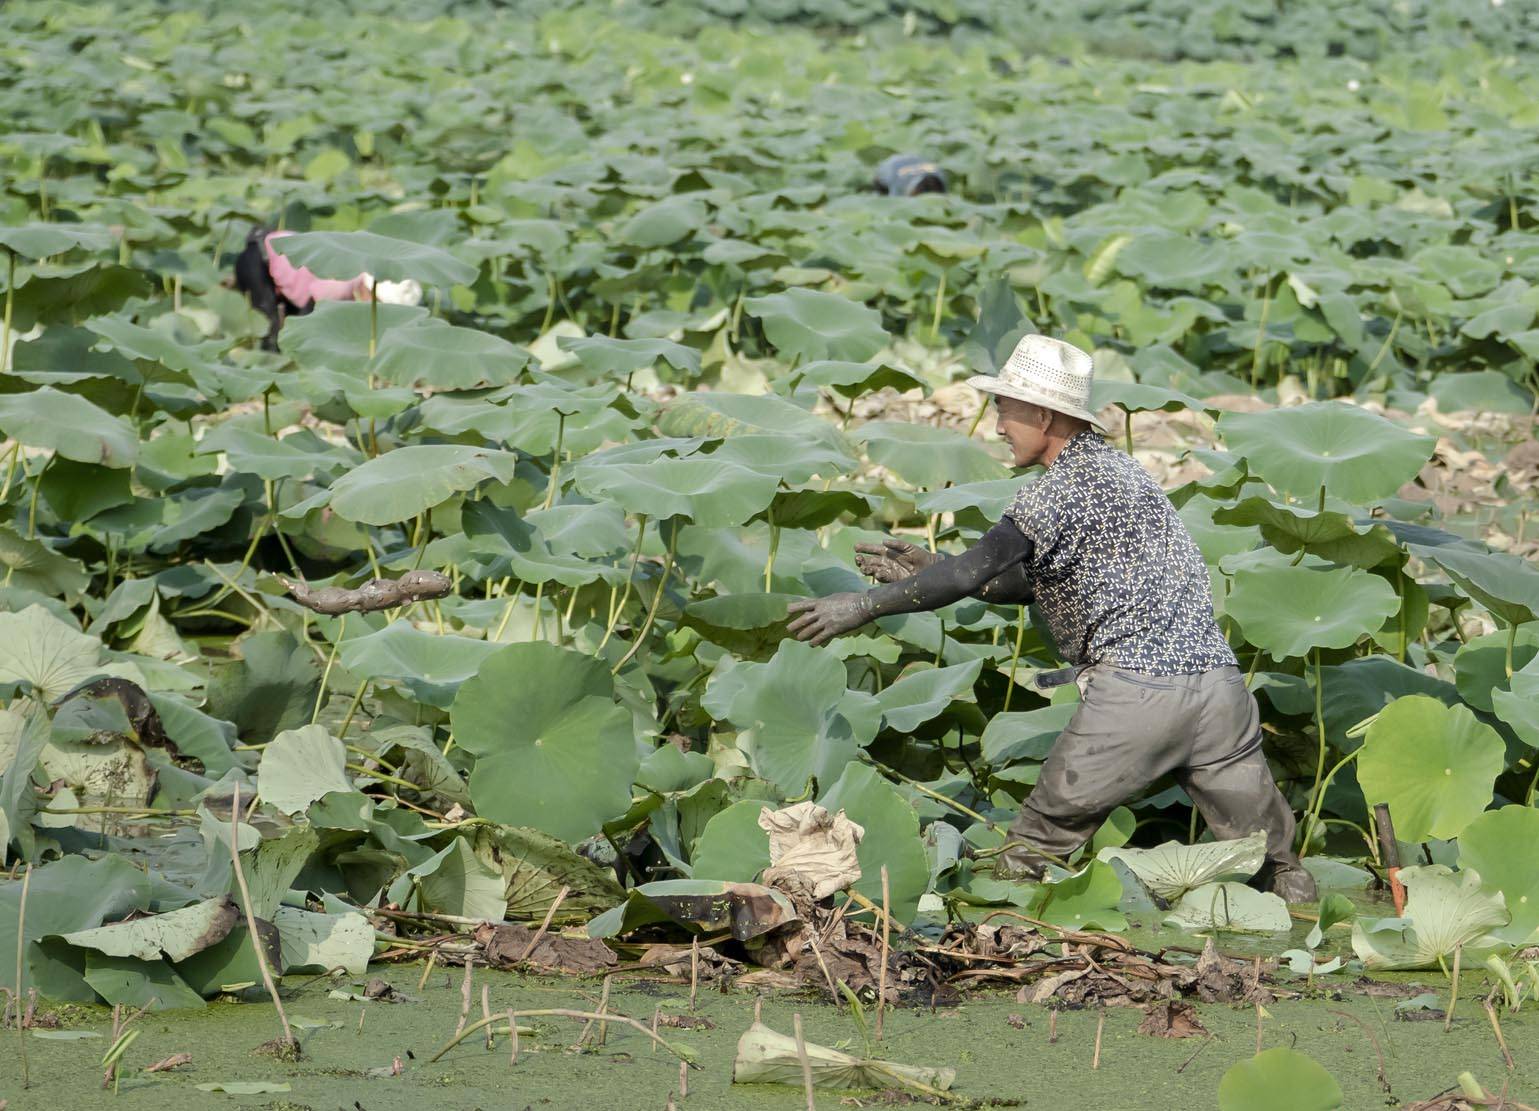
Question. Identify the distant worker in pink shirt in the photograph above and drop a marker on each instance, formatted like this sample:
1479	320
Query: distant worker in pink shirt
278	289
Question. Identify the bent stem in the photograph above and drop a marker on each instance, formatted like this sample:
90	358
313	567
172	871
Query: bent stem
561	1012
657	598
1312	818
630	581
256	939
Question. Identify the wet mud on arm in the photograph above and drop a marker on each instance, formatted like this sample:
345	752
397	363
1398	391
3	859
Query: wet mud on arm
995	564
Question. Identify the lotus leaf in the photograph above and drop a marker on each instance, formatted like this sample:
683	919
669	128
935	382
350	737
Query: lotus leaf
400	484
746	910
664	223
1519	707
928	457
553	751
920	695
175	934
891	838
732	846
1330	534
272	687
854	379
1173	869
708	492
798	718
1433	764
152	985
1290	611
342	255
1279	1079
300	766
314	942
1498	845
536	867
38	649
605	357
1504	584
1085	900
807	325
1231	906
69	425
432	667
456	881
1444	911
336	334
442	357
1354	454
43	240
1480	665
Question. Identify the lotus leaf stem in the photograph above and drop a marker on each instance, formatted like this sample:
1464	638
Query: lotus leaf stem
37	486
21	966
1312	817
251	928
1318	792
320	695
657	598
1015	657
10	297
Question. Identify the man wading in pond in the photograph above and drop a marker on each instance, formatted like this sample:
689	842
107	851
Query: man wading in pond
1098	546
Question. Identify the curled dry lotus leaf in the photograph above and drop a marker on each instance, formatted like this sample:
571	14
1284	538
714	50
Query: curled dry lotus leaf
174	934
811	847
767	1057
1444	911
1172	869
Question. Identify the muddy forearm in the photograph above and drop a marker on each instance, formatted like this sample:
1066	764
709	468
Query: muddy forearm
998	556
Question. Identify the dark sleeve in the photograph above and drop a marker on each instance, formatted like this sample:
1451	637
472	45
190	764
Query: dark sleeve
1011	587
953	578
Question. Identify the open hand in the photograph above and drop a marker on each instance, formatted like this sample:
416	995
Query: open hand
892	559
819	620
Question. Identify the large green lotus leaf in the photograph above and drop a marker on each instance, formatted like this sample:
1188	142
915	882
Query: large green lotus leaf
1519	707
456	881
70	425
891	839
174	934
807	325
270	866
663	223
513	543
1361	687
442	357
587	530
1480	391
72	893
1086	900
709	493
1331	535
922	694
299	766
1288	611
1136	397
798	718
553	751
1171	260
812	508
790	459
1444	911
410	480
1024	735
341	255
271	687
1231	906
38	240
926	456
1172	869
1480	666
1356	455
250	451
727	415
152	985
318	943
853	379
23	738
1279	1079
432	667
336	334
749	625
39	649
535	868
732	846
606	357
1506	585
1499	845
529	418
990	497
33	565
1434	765
669	771
77	492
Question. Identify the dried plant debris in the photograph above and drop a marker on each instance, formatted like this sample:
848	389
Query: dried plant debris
512	944
376	594
767	1057
1172	1019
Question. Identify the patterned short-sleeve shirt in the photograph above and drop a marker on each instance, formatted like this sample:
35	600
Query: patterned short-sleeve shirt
1117	575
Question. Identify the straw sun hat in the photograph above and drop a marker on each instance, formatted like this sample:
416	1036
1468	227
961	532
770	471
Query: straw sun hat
1046	372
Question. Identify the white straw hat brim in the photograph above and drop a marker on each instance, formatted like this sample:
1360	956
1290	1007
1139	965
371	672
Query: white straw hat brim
987	383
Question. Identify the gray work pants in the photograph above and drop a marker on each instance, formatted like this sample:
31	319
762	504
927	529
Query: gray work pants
1131	728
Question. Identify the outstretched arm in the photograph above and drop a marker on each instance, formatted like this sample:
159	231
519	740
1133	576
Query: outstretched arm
894	560
943	582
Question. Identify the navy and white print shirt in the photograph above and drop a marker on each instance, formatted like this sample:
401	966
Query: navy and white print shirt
1117	576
